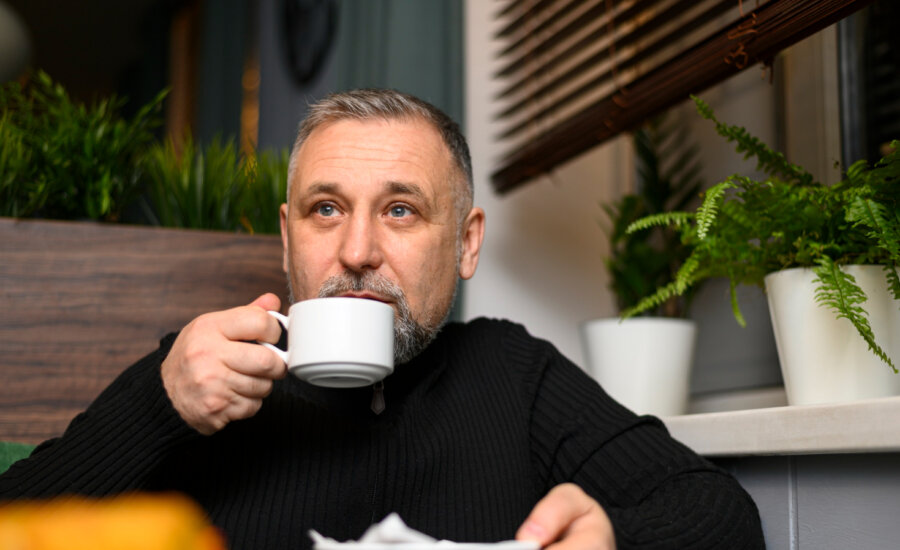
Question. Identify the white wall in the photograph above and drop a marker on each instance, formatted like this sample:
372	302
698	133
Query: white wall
542	262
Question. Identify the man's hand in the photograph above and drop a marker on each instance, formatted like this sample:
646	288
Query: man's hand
215	374
568	519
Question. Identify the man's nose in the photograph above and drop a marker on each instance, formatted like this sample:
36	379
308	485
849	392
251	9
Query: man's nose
360	249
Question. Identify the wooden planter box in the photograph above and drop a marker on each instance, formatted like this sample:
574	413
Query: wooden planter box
81	301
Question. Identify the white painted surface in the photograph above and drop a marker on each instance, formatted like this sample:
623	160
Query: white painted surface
542	261
740	400
860	427
823	358
643	363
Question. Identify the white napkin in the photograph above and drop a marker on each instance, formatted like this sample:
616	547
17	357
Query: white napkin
393	531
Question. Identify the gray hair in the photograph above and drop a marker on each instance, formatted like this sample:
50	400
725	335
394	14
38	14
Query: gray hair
368	104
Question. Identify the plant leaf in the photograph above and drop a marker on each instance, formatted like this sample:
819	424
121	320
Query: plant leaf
838	290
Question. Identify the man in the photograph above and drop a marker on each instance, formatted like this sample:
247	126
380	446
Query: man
486	433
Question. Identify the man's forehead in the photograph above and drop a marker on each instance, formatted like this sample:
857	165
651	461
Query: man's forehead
409	153
351	129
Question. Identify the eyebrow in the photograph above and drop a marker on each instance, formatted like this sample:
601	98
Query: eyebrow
325	187
393	187
401	188
415	190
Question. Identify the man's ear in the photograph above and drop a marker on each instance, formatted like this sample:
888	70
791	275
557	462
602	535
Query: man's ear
283	214
470	242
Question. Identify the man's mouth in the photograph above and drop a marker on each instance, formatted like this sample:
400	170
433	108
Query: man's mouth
366	296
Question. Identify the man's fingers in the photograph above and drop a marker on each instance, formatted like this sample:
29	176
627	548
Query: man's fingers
253	360
251	387
214	374
590	531
570	518
554	513
268	302
249	323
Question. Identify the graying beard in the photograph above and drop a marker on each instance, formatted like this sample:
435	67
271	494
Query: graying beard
410	336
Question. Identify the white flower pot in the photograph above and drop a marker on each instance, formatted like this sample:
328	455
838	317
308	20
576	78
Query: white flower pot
823	358
644	363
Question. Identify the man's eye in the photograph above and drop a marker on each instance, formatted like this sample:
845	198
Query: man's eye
399	211
326	210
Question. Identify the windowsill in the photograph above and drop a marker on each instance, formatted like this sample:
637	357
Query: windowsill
858	427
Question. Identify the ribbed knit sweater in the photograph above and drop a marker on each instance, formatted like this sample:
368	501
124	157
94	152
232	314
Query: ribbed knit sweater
476	430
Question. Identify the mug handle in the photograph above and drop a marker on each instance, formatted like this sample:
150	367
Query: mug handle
284	323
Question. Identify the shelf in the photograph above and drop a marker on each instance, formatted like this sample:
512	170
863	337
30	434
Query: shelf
858	427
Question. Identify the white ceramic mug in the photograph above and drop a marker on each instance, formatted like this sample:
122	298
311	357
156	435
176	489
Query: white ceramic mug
338	342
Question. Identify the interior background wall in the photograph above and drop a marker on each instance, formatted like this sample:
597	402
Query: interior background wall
542	263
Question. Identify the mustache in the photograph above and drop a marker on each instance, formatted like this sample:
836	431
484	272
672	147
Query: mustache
369	281
410	337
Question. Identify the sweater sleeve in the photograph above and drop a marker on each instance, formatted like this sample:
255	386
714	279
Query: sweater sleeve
111	447
658	493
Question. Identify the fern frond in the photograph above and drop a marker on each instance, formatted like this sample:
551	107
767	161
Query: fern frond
893	280
857	170
874	216
838	290
674	219
712	201
703	108
686	273
768	160
662	295
735	307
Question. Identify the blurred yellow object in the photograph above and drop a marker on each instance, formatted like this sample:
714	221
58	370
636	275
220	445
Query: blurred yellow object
133	522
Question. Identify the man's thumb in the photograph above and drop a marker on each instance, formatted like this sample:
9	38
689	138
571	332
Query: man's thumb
268	301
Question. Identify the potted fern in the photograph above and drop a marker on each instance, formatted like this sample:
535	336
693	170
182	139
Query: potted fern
836	247
645	363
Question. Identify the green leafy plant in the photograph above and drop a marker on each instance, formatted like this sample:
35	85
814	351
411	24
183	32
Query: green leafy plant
745	229
667	180
265	191
215	187
65	160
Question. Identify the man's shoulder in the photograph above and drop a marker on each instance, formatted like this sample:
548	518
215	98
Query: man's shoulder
502	339
487	328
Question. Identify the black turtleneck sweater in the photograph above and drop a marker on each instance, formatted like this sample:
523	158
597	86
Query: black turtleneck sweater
475	431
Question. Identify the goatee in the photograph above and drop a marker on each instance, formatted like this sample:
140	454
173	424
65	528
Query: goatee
410	336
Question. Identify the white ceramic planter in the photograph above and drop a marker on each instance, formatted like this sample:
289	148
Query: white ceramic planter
823	359
644	363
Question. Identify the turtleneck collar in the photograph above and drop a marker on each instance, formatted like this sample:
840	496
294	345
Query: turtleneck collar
408	381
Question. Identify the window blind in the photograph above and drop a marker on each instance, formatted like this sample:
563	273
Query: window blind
575	73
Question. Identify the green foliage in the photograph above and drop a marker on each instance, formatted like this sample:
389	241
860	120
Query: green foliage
266	191
65	160
60	159
193	187
839	291
644	257
215	187
745	229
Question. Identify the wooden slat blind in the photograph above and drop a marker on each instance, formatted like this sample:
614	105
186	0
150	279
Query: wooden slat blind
578	72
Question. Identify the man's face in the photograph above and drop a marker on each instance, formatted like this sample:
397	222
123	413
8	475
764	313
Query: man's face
376	199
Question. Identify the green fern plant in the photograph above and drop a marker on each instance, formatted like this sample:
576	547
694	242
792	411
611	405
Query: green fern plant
667	180
745	229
